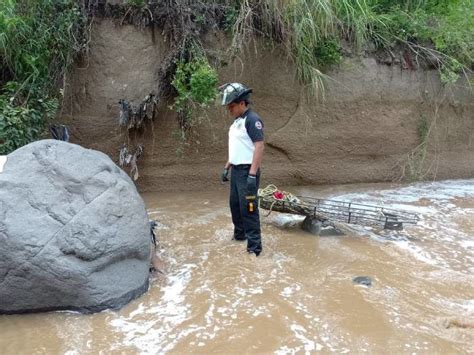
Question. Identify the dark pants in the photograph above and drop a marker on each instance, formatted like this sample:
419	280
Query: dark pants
246	224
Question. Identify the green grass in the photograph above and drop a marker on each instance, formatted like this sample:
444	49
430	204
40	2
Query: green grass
435	31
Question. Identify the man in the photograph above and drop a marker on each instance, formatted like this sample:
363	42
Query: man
245	158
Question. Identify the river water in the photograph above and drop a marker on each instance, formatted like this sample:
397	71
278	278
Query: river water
298	296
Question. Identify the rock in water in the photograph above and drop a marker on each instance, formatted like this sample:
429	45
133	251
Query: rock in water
312	225
363	280
74	231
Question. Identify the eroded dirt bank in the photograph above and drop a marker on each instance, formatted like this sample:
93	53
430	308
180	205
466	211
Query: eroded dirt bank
364	131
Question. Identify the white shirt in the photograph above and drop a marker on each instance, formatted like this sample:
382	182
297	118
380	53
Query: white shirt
241	147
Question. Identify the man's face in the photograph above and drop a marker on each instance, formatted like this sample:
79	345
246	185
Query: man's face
236	109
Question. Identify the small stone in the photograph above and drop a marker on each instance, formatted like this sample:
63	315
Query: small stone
363	280
312	225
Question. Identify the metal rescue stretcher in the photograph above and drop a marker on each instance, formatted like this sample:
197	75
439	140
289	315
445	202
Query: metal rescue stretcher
333	211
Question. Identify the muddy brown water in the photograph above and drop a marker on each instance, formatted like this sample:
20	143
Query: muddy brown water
298	296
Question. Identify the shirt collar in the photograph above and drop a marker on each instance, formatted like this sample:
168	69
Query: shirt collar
243	115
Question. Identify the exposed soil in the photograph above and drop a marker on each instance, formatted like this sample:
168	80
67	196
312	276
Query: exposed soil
364	131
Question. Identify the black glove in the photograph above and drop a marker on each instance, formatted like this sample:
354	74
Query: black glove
224	177
252	186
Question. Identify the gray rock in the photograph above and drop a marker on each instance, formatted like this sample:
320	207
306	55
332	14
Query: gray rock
74	231
312	225
362	280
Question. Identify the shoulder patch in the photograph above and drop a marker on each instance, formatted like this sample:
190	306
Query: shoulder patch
258	125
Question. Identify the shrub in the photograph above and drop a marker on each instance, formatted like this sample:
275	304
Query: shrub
38	40
195	83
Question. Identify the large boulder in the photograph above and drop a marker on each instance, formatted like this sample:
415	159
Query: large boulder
74	231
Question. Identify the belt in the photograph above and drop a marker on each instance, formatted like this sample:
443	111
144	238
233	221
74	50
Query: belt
241	166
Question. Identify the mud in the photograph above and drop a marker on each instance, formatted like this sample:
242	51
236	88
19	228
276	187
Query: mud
365	130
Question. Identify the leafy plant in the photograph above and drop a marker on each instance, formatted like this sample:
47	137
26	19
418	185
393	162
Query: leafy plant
38	40
436	31
21	124
450	70
195	83
136	3
328	53
230	18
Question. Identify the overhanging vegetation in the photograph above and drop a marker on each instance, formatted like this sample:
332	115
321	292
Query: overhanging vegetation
39	40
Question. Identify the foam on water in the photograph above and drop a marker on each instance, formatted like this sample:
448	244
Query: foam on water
437	220
171	319
155	334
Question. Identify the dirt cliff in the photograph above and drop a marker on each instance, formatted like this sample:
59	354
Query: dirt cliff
367	129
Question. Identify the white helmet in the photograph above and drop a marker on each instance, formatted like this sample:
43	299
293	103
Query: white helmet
233	92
